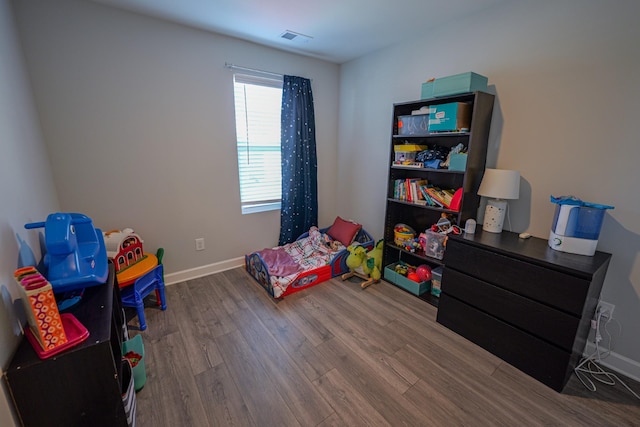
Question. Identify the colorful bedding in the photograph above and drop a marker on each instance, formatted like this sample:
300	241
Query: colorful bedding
310	260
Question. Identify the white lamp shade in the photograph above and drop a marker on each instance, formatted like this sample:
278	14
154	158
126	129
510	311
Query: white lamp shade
500	184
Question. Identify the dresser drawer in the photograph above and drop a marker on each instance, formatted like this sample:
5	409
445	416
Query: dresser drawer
550	287
535	357
545	322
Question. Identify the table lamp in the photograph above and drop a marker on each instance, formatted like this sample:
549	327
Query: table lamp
500	185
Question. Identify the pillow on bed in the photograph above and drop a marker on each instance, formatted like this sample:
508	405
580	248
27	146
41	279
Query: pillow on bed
344	231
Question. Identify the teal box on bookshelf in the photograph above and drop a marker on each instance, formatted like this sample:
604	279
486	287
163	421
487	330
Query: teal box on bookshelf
436	279
459	83
450	117
404	283
427	90
458	162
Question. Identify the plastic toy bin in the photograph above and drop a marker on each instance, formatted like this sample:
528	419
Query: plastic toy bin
406	284
136	346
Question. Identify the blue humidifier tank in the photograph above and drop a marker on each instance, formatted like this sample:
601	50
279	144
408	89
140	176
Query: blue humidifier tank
576	225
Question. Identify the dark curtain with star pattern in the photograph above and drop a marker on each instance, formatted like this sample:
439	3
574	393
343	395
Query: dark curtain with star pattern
299	209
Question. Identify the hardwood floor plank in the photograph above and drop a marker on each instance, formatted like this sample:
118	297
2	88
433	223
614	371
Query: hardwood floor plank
437	408
264	403
562	406
442	345
295	331
370	383
334	420
283	372
360	318
210	305
461	385
222	401
202	352
352	407
170	396
370	349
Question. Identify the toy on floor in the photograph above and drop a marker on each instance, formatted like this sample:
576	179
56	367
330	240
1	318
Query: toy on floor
76	256
365	265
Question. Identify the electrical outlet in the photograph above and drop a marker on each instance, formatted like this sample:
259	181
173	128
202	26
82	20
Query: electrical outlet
200	244
605	307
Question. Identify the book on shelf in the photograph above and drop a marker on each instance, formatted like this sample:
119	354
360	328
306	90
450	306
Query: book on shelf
409	190
439	196
428	199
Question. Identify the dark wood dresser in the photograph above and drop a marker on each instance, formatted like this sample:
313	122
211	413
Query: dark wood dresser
521	300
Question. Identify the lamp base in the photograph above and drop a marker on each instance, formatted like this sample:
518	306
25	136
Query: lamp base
494	215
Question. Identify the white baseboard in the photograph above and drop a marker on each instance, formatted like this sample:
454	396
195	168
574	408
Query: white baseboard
205	270
623	365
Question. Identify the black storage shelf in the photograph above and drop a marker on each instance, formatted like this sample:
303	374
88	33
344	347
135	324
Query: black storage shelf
411	168
422	217
419	206
82	385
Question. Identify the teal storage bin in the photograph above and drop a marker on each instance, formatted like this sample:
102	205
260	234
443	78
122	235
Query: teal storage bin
459	83
458	162
136	346
427	90
450	117
436	280
404	283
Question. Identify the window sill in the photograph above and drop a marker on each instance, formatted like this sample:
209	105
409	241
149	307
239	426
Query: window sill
260	207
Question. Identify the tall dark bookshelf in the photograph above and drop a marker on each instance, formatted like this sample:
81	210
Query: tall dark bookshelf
421	217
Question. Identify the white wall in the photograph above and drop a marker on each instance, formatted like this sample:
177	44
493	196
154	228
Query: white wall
26	187
566	78
138	117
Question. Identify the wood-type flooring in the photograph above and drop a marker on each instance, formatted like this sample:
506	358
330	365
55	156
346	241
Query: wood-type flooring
224	353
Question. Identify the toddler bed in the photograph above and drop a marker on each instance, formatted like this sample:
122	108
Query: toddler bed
316	256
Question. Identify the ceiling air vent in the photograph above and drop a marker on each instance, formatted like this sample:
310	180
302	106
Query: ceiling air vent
292	35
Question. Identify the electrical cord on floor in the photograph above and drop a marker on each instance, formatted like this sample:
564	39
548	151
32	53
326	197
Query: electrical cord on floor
588	366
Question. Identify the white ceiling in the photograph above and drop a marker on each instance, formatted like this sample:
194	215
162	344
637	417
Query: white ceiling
341	30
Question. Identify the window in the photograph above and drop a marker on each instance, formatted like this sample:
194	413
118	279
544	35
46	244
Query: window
257	104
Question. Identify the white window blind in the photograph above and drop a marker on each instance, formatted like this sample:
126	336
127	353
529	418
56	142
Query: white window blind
257	104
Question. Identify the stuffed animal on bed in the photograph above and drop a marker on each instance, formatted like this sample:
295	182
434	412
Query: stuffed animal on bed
363	264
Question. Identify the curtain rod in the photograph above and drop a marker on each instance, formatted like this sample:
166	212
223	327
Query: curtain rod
253	70
233	67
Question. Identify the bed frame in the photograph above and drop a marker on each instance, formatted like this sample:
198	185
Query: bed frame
257	268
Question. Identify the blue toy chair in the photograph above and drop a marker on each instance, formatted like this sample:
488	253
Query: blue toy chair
133	296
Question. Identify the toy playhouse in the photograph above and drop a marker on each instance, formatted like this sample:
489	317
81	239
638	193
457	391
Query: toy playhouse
124	247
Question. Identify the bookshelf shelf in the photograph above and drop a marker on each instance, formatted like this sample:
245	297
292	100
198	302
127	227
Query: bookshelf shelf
443	171
422	216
